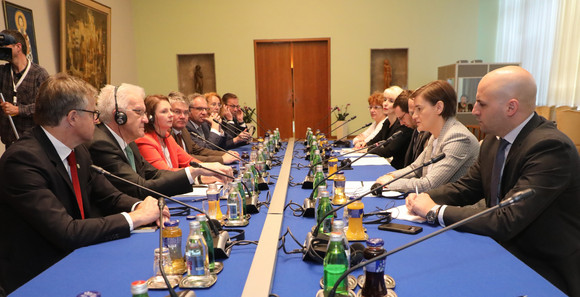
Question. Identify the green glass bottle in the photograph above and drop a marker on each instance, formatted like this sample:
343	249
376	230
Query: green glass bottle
318	178
242	192
202	219
316	159
335	264
324	206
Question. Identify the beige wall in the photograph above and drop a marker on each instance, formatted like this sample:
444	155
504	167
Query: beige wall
436	33
47	26
148	34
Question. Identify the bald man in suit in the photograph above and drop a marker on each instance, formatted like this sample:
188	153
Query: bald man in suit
543	230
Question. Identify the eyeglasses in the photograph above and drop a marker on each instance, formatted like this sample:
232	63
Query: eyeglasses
95	113
233	106
180	112
199	108
401	117
139	112
375	107
216	104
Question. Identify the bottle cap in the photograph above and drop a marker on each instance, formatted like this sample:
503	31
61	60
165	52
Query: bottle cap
321	188
337	225
138	287
90	294
375	242
194	224
324	194
319	168
335	236
201	217
172	223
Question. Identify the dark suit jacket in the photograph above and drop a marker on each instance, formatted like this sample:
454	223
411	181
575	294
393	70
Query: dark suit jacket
416	146
106	153
40	221
200	153
396	148
217	140
543	230
232	129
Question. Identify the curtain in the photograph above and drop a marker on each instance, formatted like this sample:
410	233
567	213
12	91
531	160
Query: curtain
564	83
527	34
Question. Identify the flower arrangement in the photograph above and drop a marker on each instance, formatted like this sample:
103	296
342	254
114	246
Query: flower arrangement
341	112
248	114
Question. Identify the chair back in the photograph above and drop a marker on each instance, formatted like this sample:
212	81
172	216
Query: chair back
546	111
569	124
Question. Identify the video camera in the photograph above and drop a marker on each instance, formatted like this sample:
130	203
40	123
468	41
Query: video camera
6	53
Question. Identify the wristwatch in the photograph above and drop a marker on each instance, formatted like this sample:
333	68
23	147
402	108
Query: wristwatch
432	215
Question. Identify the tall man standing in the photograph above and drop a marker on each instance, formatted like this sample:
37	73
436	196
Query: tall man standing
20	80
521	151
51	200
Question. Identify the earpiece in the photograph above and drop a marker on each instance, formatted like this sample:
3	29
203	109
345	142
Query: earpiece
120	117
151	119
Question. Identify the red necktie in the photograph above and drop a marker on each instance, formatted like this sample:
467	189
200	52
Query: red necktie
72	162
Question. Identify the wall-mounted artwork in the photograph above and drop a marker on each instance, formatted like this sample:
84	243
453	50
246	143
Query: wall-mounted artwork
85	39
20	18
389	67
196	73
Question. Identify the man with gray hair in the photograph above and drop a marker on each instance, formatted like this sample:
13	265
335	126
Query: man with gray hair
113	148
180	110
51	201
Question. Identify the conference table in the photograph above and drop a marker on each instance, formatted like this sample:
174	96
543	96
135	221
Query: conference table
452	264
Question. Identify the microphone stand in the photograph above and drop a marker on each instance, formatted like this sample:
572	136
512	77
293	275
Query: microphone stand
230	129
259	118
11	120
342	143
214	145
314	234
309	203
354	117
514	199
326	117
161	203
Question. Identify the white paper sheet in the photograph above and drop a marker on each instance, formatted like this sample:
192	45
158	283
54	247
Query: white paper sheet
402	213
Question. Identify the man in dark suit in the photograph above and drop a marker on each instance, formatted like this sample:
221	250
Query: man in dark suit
113	144
48	192
233	119
201	128
404	108
521	151
180	111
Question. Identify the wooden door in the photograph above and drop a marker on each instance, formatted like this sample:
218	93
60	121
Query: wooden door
274	87
292	84
311	85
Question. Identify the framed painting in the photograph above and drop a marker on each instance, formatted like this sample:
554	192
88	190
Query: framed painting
85	41
20	18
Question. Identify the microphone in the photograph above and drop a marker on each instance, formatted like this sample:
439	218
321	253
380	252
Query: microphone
251	201
326	117
214	145
309	203
342	143
514	199
312	253
197	165
389	140
230	129
161	204
346	122
356	253
220	237
377	189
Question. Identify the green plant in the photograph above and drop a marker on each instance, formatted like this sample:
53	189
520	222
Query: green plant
341	112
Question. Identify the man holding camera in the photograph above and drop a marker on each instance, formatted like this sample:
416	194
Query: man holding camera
20	80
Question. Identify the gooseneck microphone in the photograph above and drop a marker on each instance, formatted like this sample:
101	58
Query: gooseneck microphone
342	143
312	253
197	165
161	203
521	195
215	145
232	129
346	122
326	117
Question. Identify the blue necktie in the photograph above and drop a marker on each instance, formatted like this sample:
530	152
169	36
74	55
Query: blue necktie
496	173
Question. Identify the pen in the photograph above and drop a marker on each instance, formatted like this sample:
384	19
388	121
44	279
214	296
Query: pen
416	191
